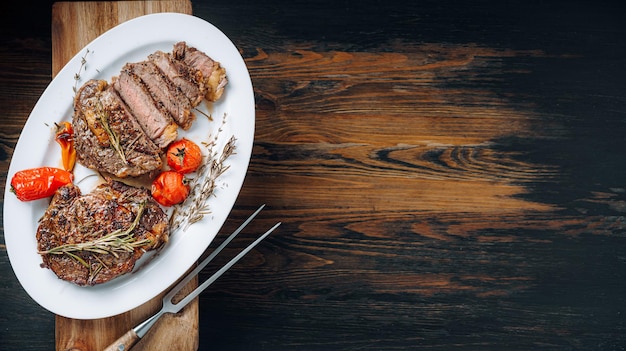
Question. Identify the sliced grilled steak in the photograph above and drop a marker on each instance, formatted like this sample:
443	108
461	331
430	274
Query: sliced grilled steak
164	92
98	108
188	80
153	118
213	75
111	208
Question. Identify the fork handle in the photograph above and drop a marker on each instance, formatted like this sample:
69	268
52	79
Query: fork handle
124	343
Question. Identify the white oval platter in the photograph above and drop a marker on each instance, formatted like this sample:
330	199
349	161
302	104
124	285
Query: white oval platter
104	57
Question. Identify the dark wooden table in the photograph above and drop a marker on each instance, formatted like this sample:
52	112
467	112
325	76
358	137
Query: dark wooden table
449	174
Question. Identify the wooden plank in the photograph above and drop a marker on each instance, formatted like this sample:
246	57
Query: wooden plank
74	25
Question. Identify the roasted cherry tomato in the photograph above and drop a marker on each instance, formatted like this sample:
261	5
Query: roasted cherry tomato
184	156
170	188
39	183
65	138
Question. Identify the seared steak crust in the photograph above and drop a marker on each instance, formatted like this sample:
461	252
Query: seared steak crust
96	106
213	75
72	218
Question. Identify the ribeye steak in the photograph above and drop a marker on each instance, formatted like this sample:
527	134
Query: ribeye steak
73	223
107	137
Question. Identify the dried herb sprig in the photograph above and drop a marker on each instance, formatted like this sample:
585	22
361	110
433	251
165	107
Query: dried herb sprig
203	185
83	65
116	242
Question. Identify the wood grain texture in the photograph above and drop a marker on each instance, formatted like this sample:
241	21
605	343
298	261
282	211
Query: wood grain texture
179	331
429	182
74	25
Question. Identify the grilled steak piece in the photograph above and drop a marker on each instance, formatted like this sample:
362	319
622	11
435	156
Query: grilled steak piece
100	116
181	75
151	115
112	208
164	92
213	75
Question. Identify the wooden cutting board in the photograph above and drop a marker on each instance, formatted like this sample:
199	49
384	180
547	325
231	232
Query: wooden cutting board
74	25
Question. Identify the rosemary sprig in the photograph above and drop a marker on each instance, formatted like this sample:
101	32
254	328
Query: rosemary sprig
113	243
114	139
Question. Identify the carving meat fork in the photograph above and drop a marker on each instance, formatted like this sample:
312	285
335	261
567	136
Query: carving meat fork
128	340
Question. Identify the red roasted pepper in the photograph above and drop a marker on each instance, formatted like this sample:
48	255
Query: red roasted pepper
65	138
38	183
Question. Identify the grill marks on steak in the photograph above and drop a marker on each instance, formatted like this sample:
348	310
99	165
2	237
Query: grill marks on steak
158	95
98	107
74	218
